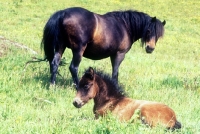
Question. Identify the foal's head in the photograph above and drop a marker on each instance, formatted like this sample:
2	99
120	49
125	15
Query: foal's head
152	33
97	85
87	88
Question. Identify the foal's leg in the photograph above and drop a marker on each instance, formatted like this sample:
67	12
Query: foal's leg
116	61
54	67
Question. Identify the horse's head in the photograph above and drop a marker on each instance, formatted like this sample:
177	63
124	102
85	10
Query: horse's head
152	33
86	89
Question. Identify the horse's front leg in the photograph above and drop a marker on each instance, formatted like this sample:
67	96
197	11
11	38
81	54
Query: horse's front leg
54	67
116	61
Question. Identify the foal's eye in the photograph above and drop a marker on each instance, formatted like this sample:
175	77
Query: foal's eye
86	86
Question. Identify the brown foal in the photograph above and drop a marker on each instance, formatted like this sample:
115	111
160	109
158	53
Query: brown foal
108	96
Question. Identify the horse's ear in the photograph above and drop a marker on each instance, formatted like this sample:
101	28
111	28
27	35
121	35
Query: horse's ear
164	22
153	19
90	73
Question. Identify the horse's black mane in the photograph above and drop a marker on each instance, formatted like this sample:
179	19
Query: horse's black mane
115	89
135	20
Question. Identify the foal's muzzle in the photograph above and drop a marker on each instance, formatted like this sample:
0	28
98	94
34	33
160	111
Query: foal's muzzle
149	49
78	103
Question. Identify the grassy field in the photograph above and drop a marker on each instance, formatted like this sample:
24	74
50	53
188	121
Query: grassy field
171	74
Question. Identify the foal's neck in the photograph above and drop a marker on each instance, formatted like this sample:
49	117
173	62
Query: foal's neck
104	100
102	92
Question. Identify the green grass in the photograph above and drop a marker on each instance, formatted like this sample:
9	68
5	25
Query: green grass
171	74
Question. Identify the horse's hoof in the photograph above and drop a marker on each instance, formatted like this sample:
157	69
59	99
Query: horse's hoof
52	86
75	86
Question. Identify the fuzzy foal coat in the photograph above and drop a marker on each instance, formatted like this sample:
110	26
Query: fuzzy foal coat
108	97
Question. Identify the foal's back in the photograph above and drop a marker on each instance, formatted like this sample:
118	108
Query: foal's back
151	113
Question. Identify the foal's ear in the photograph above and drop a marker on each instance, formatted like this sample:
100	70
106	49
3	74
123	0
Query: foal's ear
153	19
164	22
90	73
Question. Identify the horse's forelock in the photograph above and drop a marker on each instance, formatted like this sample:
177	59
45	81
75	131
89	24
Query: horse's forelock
156	27
159	29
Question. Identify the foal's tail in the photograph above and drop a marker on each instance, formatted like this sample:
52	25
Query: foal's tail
177	125
53	34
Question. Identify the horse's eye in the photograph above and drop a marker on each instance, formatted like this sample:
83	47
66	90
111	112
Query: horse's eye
148	34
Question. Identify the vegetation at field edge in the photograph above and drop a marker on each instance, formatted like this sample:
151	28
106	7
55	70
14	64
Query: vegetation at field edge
171	74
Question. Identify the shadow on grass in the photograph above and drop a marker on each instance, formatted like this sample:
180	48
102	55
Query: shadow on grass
39	73
63	81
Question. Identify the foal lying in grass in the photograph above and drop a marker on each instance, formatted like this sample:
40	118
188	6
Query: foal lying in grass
108	96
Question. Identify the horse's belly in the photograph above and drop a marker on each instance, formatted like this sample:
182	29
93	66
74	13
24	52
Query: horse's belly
96	56
98	53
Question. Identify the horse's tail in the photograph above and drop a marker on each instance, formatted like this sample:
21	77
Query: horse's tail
53	34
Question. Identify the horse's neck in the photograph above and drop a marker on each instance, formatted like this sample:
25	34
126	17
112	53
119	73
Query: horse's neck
137	28
137	33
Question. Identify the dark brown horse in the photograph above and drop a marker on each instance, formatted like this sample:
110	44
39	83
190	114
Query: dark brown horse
97	36
109	97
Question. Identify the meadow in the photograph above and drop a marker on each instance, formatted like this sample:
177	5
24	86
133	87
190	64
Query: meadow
171	74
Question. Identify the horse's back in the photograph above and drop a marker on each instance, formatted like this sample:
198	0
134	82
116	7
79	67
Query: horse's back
109	30
110	36
78	15
79	24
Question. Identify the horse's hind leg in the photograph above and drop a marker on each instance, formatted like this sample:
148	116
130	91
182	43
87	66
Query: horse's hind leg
77	56
74	68
54	67
116	61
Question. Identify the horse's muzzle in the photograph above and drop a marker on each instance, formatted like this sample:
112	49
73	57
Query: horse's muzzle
149	49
